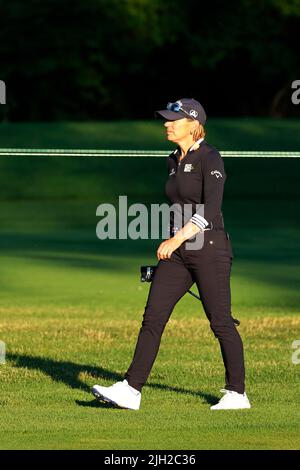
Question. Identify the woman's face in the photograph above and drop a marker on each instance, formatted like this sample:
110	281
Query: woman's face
178	130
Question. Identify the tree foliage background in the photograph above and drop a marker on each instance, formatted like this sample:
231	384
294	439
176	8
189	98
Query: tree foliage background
108	59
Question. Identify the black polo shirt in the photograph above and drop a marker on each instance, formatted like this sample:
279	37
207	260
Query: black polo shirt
198	179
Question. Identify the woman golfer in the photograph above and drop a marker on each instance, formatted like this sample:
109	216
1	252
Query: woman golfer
196	179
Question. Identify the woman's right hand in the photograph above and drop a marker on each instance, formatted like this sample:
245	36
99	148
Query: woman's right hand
167	247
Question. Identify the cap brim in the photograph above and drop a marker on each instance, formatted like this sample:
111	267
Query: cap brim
170	115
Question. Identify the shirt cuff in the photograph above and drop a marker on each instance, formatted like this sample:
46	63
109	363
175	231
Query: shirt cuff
201	222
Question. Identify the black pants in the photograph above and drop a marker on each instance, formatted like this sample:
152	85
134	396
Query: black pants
210	268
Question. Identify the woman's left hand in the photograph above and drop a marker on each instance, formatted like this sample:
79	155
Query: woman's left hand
167	247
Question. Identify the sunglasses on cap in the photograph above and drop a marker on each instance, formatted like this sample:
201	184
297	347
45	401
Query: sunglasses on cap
176	107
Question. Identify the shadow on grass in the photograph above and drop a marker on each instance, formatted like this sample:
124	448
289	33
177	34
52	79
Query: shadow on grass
68	373
96	404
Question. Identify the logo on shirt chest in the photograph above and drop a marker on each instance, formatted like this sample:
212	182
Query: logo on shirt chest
172	172
188	167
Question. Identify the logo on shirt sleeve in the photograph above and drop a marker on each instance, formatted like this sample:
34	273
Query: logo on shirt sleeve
217	173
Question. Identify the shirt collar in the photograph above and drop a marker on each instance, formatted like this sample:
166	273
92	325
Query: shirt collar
195	146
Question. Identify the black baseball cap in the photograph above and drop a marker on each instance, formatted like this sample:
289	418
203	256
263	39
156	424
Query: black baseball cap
183	108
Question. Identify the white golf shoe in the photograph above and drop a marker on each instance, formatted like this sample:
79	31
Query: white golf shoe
232	401
120	394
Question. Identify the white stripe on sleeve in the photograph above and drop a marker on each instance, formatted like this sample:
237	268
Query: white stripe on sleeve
201	222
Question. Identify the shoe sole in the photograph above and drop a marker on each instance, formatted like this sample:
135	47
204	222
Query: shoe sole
101	397
225	409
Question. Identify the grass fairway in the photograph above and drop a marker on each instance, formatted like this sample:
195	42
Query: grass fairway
71	307
225	134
